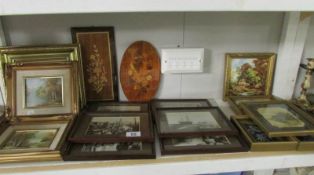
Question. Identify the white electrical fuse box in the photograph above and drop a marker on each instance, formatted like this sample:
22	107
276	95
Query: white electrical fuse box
182	60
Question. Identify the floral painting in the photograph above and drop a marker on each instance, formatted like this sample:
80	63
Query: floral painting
248	76
43	92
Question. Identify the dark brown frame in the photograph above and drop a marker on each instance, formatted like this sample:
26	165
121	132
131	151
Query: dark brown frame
205	149
67	154
110	30
82	123
228	130
92	107
155	102
272	131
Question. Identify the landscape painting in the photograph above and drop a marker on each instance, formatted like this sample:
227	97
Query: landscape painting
26	139
248	77
113	126
43	92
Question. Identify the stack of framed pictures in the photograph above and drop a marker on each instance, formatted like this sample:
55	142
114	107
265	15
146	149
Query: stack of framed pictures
276	125
113	130
43	95
248	77
193	126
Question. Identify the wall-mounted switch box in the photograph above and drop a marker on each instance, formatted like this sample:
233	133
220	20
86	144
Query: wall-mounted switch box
182	60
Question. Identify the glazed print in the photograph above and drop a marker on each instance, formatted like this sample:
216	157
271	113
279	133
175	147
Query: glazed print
248	76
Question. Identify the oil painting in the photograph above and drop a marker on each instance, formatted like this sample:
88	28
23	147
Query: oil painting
191	121
26	139
249	74
279	115
113	147
200	141
117	126
43	92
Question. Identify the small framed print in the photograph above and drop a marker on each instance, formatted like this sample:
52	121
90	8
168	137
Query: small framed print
113	127
35	91
192	122
180	103
279	118
203	144
110	151
249	74
258	140
305	143
118	107
235	101
99	62
25	138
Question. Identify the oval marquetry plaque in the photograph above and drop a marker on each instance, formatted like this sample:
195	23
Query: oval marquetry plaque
140	71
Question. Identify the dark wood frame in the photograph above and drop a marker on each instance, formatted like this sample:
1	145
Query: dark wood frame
92	107
231	130
202	149
289	145
82	123
155	102
68	156
75	30
272	131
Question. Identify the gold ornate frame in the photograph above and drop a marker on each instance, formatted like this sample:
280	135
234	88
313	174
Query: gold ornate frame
11	100
38	55
270	72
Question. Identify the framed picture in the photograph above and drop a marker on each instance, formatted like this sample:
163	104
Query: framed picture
38	91
117	107
180	103
249	74
203	144
235	101
279	118
305	143
38	55
259	141
24	138
192	122
110	151
99	62
112	127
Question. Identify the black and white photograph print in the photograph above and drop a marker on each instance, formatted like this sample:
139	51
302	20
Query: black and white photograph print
114	147
191	121
199	141
113	126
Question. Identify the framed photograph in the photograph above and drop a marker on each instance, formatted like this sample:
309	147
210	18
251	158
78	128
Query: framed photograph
203	144
117	107
249	74
24	138
46	90
258	140
279	118
305	143
235	101
192	122
180	103
38	55
99	62
110	151
112	127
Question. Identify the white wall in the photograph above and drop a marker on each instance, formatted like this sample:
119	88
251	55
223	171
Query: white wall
308	52
217	32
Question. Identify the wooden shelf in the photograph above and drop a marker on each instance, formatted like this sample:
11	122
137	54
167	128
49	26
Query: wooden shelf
26	7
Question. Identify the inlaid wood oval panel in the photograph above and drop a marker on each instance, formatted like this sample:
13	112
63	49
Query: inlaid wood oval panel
140	71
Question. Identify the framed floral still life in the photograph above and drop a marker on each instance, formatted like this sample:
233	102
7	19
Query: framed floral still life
279	118
249	74
99	62
38	91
